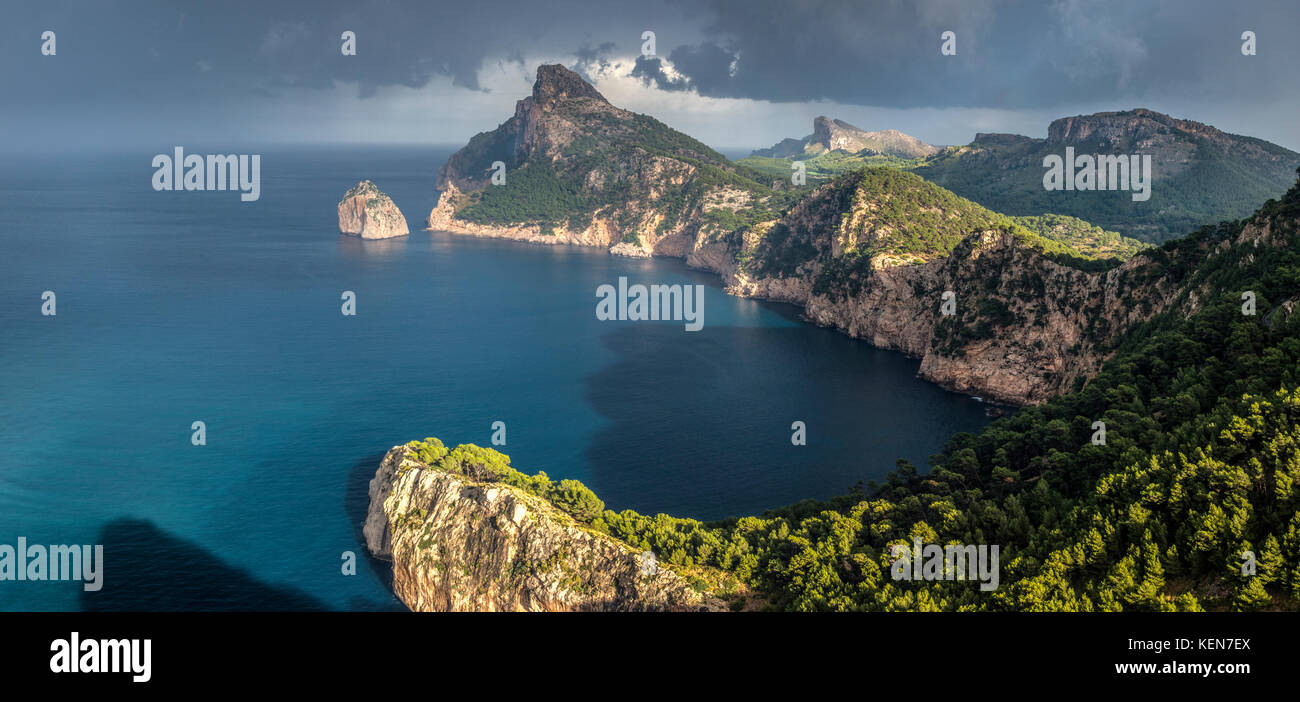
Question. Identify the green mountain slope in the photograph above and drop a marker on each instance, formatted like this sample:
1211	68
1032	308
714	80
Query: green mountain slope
1202	175
879	210
571	158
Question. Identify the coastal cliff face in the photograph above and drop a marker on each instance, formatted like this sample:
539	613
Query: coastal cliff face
1023	327
872	252
365	211
463	542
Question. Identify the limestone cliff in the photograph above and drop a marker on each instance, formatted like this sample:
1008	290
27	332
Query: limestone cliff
1026	321
466	542
838	135
365	211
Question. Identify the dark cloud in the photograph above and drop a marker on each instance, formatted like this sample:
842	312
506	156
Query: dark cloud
248	45
707	67
650	69
202	62
593	59
1010	53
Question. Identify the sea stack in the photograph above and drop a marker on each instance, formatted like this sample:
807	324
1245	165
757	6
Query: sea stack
365	211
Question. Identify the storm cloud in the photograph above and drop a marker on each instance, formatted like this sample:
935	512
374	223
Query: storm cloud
273	69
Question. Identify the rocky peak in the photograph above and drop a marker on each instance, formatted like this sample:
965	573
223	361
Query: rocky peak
837	134
555	82
365	187
1117	127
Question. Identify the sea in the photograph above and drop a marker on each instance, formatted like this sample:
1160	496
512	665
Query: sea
179	307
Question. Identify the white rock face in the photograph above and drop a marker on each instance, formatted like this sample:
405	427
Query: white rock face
365	211
458	544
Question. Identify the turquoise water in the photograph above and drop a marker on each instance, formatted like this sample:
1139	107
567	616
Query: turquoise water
175	307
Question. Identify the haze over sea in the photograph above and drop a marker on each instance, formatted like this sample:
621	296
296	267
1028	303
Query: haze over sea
182	306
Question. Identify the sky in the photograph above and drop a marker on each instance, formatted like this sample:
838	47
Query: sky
737	74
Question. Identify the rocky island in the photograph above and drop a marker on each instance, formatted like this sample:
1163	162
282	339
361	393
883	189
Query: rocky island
367	212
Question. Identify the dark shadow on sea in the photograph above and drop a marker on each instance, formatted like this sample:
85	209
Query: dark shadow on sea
153	571
356	503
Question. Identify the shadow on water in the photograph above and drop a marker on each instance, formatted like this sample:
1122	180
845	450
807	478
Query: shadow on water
356	503
152	571
700	423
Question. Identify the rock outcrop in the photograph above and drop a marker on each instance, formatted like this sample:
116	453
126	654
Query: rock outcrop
458	543
634	183
838	135
367	212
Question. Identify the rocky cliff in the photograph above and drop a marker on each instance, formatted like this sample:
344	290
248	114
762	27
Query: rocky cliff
1026	321
462	540
365	211
838	135
573	169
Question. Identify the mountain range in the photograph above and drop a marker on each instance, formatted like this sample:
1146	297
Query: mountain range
1201	174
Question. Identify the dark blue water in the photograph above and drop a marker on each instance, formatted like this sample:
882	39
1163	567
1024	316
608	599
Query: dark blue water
175	307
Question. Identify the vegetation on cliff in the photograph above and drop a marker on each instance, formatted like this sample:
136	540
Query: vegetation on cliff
571	496
824	166
877	211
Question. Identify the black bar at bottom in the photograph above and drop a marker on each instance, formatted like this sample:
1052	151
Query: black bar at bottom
926	653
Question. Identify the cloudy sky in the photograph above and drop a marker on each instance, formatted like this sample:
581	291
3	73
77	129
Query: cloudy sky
735	73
